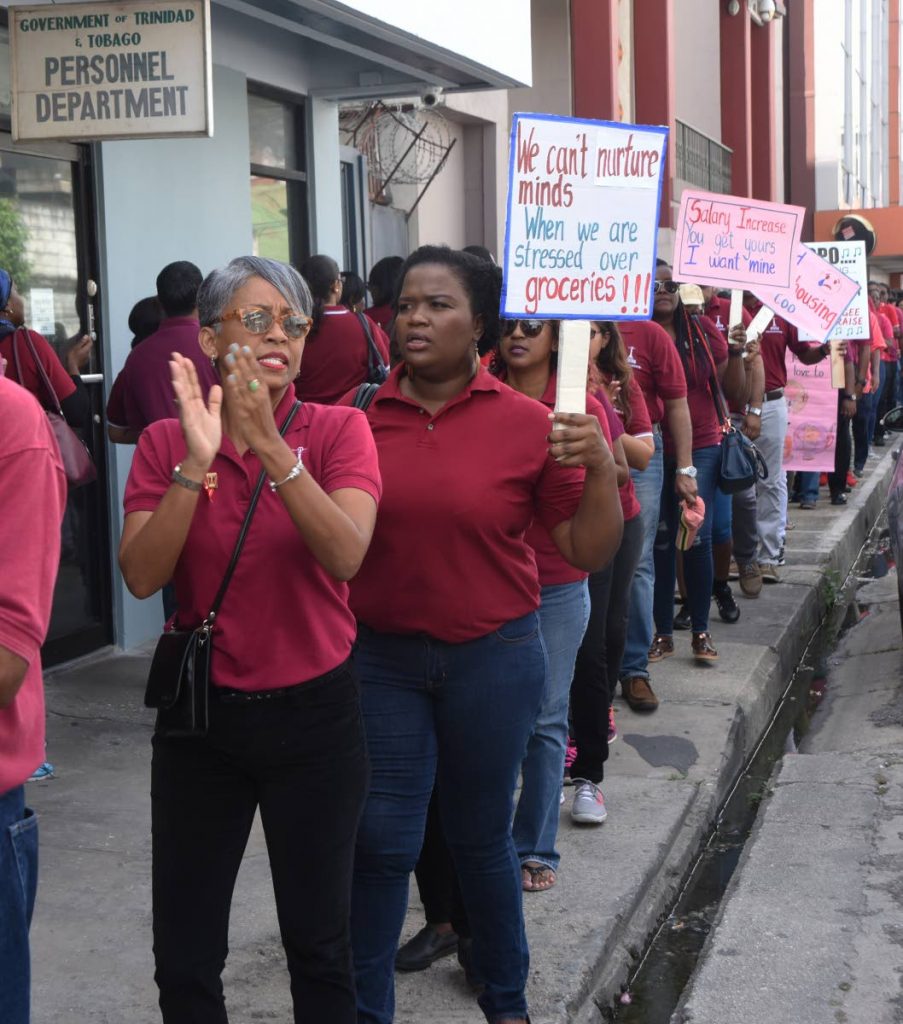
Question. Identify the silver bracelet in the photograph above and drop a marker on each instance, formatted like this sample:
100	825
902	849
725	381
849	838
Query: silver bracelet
178	477
293	474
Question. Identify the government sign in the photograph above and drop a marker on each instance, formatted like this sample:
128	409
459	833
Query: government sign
111	70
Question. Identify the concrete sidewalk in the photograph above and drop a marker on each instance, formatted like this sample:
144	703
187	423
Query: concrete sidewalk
810	929
666	778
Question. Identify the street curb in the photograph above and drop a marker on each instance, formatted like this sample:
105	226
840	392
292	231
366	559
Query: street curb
754	709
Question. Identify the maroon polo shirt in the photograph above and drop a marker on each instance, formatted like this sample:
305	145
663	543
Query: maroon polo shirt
553	569
777	337
284	619
449	557
60	380
718	310
142	393
381	315
655	364
335	356
703	415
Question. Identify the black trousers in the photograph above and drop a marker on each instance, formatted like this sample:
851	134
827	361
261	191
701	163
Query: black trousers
599	658
301	758
837	481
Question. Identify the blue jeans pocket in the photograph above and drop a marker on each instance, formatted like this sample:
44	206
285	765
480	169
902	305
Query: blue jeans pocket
23	837
519	631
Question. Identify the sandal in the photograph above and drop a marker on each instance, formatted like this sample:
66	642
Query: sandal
662	647
537	877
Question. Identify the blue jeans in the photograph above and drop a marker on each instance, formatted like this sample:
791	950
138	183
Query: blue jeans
807	485
18	885
563	616
460	714
698	568
722	524
648	486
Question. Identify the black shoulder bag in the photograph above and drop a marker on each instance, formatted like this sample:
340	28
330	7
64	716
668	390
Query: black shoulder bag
178	684
377	371
741	461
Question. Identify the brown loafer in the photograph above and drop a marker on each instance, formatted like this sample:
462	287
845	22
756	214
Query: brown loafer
638	694
661	647
703	649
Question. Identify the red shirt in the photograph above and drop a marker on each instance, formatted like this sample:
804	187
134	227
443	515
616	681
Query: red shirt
335	356
142	393
284	619
382	315
552	567
448	556
705	420
777	337
60	380
640	427
33	498
888	320
655	364
718	310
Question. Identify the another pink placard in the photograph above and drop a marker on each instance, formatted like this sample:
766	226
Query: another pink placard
732	242
811	417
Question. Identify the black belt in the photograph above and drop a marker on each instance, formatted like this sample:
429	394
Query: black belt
773	396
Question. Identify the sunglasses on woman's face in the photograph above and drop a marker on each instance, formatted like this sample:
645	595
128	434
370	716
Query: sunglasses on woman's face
259	321
671	287
529	328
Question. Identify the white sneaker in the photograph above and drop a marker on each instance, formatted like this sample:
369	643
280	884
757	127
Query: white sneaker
588	807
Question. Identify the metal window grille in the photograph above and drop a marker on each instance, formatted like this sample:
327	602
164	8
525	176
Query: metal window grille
702	161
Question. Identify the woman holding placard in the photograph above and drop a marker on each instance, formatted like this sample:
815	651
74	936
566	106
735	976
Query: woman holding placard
703	353
453	665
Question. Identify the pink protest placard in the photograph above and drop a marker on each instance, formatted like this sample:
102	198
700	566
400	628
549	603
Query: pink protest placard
811	417
731	242
817	296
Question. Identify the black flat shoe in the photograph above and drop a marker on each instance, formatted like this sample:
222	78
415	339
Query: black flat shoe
425	948
839	499
682	618
724	598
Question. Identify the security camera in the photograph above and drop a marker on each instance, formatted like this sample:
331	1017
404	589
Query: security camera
432	96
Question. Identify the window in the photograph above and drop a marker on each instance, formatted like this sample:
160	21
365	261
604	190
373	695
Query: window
278	178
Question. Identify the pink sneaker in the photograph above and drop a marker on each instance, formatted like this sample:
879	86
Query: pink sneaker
612	728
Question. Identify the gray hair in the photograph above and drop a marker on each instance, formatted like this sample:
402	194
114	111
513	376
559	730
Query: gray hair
220	285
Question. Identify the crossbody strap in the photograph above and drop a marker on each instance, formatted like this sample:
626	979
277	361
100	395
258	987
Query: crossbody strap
721	410
42	373
374	356
243	533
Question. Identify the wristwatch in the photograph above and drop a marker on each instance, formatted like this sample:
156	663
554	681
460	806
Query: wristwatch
689	471
754	410
847	397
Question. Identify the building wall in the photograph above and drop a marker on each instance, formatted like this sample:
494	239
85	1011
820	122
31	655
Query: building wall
697	56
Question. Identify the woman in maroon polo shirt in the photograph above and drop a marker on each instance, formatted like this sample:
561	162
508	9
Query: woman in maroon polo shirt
285	732
337	351
449	650
692	340
598	662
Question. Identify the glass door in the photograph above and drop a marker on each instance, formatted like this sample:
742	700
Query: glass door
45	219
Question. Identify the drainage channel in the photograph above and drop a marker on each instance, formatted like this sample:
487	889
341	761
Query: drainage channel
656	985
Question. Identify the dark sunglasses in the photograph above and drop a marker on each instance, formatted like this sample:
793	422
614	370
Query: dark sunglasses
529	328
671	287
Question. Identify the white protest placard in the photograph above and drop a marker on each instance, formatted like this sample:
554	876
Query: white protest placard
733	242
735	317
759	322
111	70
815	299
850	259
583	209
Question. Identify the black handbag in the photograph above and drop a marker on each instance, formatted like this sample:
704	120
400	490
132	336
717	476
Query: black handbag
178	684
377	371
741	461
